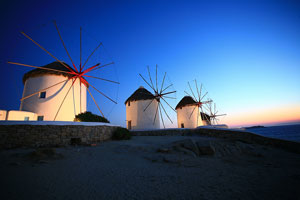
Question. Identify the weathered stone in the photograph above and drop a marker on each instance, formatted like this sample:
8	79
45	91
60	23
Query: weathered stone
169	158
187	144
185	151
205	149
164	150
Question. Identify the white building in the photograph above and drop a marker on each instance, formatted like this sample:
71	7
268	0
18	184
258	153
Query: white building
47	100
188	115
141	107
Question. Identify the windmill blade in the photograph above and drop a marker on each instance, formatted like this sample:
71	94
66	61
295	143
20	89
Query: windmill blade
193	112
46	51
80	94
148	105
197	90
147	82
207	108
44	68
103	79
214	107
90	68
74	103
80	49
192	91
206	102
166	88
166	113
220	115
44	89
200	91
168	93
155	113
95	101
168	104
101	66
162	119
212	122
204	96
91	55
150	77
103	94
156	79
162	85
64	99
64	45
187	93
169	97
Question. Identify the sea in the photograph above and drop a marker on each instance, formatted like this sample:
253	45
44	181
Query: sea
285	132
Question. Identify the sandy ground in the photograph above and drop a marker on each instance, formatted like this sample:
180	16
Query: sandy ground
135	170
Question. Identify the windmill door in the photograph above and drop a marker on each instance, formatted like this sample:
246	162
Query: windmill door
129	125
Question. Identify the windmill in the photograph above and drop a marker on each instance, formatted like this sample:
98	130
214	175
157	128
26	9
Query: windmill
199	99
160	95
214	114
77	76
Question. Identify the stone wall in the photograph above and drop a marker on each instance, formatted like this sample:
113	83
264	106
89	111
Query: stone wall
12	136
230	134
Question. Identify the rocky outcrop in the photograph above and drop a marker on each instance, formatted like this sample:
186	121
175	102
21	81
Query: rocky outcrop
188	147
236	135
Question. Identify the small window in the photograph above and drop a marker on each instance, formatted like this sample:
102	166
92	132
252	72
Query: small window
40	118
26	118
182	125
129	125
42	95
128	103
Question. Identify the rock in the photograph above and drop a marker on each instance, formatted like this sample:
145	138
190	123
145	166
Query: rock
205	149
186	151
164	150
153	158
173	159
187	144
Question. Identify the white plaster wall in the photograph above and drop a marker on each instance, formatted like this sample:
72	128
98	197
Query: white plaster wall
3	114
17	115
183	116
140	119
49	106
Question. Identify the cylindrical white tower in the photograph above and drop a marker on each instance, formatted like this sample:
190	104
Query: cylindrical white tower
188	115
141	108
51	101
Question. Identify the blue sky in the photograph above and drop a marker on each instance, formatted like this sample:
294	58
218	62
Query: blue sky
246	53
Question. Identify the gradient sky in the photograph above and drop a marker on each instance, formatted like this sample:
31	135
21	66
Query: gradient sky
246	53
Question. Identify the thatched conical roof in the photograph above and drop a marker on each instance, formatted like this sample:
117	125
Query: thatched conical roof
205	116
185	101
54	65
140	94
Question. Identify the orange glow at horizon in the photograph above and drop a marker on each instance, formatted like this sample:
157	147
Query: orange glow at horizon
262	117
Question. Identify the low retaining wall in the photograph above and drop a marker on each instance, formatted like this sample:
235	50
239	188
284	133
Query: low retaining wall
243	136
12	136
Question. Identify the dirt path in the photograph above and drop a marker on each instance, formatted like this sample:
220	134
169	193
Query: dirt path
135	170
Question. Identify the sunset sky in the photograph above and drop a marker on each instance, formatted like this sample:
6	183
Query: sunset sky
245	53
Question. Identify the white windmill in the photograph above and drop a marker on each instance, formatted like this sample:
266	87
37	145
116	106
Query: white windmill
144	109
190	112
